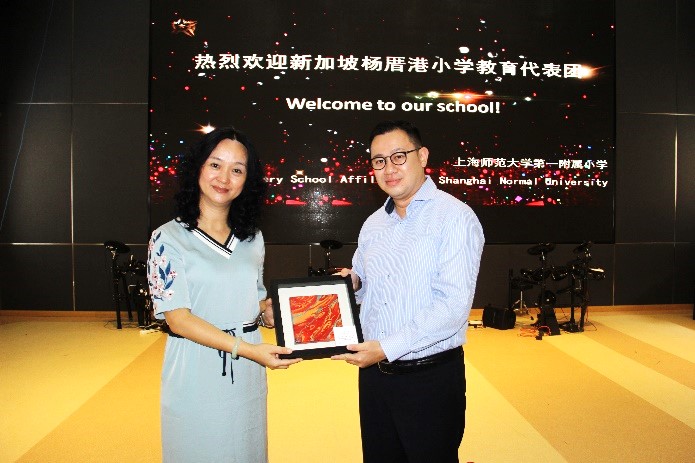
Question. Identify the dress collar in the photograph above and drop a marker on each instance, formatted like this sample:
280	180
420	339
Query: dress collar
224	249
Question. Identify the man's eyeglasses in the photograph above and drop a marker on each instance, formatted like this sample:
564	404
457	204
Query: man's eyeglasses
398	158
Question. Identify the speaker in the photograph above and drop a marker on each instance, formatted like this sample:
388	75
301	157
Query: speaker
500	318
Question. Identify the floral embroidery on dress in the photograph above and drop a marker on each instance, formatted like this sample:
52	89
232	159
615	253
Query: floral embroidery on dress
159	271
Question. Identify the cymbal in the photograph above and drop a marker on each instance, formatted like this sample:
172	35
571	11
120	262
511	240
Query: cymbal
527	273
522	283
559	273
582	247
116	246
596	274
541	274
331	244
541	248
137	267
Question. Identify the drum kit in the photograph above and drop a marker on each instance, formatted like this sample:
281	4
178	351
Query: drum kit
133	292
328	246
578	273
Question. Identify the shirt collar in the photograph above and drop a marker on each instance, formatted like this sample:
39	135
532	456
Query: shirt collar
425	192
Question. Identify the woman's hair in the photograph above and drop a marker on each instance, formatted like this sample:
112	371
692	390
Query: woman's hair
244	213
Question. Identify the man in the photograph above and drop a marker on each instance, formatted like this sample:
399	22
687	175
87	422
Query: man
414	272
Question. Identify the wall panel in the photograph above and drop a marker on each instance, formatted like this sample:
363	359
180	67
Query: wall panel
645	202
646	56
686	53
36	167
110	167
111	46
38	52
685	192
35	277
684	273
644	274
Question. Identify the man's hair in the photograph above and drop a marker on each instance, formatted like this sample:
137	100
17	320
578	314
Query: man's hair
244	213
389	126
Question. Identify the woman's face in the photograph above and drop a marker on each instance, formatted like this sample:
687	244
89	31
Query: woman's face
223	174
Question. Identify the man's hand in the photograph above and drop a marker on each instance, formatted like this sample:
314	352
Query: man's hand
356	282
267	316
363	355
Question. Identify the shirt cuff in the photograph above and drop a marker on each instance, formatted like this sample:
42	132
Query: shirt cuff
393	348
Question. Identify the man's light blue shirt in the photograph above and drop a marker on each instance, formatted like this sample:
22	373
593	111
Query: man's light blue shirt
418	274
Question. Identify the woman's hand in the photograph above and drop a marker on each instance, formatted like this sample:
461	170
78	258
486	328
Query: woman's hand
267	355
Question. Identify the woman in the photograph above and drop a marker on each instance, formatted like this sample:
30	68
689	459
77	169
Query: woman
205	272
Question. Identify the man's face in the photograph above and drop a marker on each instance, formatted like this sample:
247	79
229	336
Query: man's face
401	182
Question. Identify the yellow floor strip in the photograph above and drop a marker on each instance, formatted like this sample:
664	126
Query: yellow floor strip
657	389
118	424
571	398
312	412
62	365
661	332
496	431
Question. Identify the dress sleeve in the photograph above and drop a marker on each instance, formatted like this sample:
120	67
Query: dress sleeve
166	275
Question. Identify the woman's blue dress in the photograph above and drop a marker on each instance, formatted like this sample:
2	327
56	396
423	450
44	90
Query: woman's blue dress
213	408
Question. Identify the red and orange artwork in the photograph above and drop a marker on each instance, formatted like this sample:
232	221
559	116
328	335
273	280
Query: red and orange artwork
313	317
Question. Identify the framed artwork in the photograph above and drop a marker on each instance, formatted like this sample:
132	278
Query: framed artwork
316	317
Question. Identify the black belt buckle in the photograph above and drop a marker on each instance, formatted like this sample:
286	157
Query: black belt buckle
386	367
402	367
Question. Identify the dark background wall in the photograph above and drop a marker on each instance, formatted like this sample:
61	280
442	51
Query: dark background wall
73	159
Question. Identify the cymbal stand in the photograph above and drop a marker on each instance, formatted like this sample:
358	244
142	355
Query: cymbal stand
580	289
118	280
546	302
579	274
143	304
523	310
541	256
571	325
585	302
327	246
516	283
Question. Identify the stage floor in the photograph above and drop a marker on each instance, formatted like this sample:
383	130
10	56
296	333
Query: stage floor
622	390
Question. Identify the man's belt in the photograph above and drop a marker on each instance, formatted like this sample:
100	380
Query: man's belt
402	367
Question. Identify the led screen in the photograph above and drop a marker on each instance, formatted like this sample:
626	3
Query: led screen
515	101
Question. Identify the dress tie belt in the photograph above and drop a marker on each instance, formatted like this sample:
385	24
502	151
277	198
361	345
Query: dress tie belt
248	327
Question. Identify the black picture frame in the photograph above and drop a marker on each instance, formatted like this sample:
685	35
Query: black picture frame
313	333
